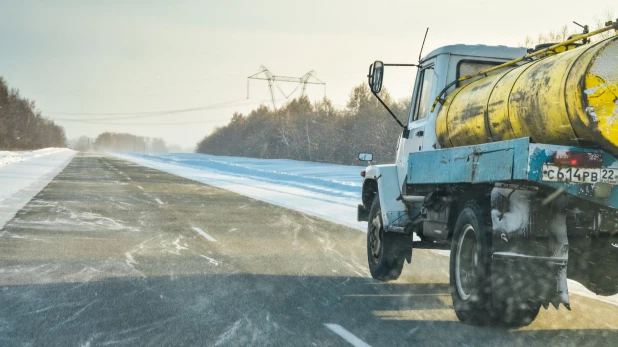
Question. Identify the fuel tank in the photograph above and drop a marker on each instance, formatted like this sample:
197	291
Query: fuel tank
569	98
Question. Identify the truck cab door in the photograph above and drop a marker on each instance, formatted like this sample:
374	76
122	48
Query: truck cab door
413	135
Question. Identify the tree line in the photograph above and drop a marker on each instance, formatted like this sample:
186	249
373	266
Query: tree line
22	127
317	131
122	142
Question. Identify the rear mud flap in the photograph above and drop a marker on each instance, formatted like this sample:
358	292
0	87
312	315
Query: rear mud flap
529	249
362	213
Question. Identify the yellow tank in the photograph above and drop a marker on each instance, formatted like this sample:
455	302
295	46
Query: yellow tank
568	99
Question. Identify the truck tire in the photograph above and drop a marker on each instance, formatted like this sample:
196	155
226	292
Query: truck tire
470	267
383	251
470	275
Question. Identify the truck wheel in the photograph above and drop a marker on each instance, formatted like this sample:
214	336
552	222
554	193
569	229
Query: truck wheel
470	275
470	271
383	252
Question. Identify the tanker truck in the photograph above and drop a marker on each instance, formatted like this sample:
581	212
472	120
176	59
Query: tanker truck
509	159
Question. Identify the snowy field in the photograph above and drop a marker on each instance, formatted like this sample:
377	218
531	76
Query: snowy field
327	191
24	174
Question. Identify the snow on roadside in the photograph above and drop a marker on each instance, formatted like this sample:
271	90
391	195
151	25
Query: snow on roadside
9	157
328	191
24	174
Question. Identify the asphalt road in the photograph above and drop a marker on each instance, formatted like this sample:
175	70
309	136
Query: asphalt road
111	253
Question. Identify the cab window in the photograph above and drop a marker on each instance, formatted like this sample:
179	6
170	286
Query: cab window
422	102
471	67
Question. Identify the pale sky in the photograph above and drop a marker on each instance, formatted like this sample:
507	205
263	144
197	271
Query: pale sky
80	59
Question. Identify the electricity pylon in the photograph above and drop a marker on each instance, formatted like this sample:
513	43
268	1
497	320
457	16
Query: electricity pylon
301	82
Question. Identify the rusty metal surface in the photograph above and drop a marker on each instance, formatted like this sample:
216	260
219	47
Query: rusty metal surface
566	99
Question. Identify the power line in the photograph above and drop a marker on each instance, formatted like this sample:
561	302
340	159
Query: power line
104	121
135	115
153	124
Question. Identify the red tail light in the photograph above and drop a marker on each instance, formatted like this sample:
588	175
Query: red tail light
363	173
578	159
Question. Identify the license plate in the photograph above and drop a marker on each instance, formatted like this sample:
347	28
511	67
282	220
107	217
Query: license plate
552	173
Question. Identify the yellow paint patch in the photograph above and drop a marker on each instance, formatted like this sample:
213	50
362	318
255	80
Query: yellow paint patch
603	105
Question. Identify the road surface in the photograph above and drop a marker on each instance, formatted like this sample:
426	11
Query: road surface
111	253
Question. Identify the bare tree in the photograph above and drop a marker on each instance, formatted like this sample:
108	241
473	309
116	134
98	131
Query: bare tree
562	34
601	21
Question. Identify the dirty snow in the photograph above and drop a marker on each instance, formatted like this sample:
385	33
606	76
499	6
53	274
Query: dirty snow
513	220
328	191
24	174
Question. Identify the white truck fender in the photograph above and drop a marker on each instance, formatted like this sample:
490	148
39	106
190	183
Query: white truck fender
394	215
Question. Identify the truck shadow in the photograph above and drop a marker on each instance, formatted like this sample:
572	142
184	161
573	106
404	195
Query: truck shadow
244	309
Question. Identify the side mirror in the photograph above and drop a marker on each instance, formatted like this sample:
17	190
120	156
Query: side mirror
376	74
365	156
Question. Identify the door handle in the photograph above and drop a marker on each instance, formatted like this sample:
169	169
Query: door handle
419	133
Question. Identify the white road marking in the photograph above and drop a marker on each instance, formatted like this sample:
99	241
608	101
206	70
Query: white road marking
224	338
346	335
159	201
210	260
203	233
140	187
